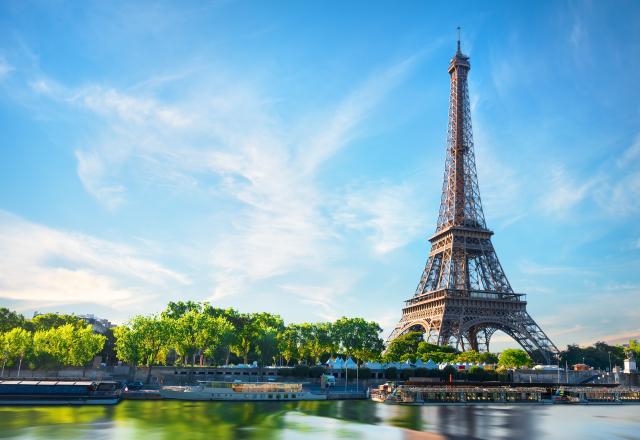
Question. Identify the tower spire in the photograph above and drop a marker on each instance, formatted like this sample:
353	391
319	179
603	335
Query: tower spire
459	51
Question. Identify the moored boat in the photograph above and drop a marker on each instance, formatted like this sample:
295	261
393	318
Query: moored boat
52	392
243	391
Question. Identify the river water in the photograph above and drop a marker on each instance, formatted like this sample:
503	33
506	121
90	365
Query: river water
173	420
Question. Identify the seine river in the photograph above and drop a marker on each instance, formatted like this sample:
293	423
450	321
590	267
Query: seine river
174	420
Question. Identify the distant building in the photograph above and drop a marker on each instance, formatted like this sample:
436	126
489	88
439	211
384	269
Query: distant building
630	365
99	325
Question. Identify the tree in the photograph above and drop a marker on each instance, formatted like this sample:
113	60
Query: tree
186	334
48	321
153	334
10	319
470	356
488	358
359	338
84	344
18	341
514	358
5	353
69	344
245	336
175	310
437	353
403	345
320	342
288	342
634	347
215	331
129	347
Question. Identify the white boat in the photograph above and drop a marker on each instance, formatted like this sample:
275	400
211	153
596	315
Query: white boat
242	391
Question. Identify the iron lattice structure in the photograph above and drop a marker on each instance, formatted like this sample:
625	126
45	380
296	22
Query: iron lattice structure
464	295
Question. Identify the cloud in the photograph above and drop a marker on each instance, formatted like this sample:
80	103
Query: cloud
391	213
340	128
5	68
531	268
39	265
564	193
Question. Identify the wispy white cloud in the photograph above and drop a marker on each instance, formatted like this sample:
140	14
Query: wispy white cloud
39	264
5	68
392	214
280	221
564	193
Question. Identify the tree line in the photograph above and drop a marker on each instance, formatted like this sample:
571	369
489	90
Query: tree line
196	333
48	340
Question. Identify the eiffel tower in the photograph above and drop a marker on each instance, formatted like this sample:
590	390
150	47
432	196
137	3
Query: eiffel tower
464	296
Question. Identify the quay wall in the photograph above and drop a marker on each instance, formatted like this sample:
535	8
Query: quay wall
176	376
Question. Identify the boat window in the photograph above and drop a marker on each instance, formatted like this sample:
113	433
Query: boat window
270	396
286	396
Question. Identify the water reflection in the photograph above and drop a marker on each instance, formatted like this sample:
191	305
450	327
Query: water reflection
341	419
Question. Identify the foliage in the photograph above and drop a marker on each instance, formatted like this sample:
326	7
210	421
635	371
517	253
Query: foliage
470	356
634	347
10	319
514	358
16	343
47	321
488	358
69	344
596	355
403	345
359	338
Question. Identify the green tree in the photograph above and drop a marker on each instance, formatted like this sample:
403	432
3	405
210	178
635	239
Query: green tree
152	335
5	354
359	338
488	358
246	333
470	356
403	345
10	320
69	344
129	345
48	321
288	342
514	358
437	353
176	310
83	346
320	341
214	332
634	347
186	334
18	342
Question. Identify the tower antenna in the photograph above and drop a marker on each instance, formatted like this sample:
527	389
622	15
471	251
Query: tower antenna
458	39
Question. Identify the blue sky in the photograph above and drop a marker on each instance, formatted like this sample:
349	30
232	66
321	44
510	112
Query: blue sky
288	156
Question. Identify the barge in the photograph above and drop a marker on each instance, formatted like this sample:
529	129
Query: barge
240	391
51	392
458	394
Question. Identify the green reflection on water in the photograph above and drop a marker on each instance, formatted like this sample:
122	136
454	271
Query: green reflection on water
171	419
317	420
